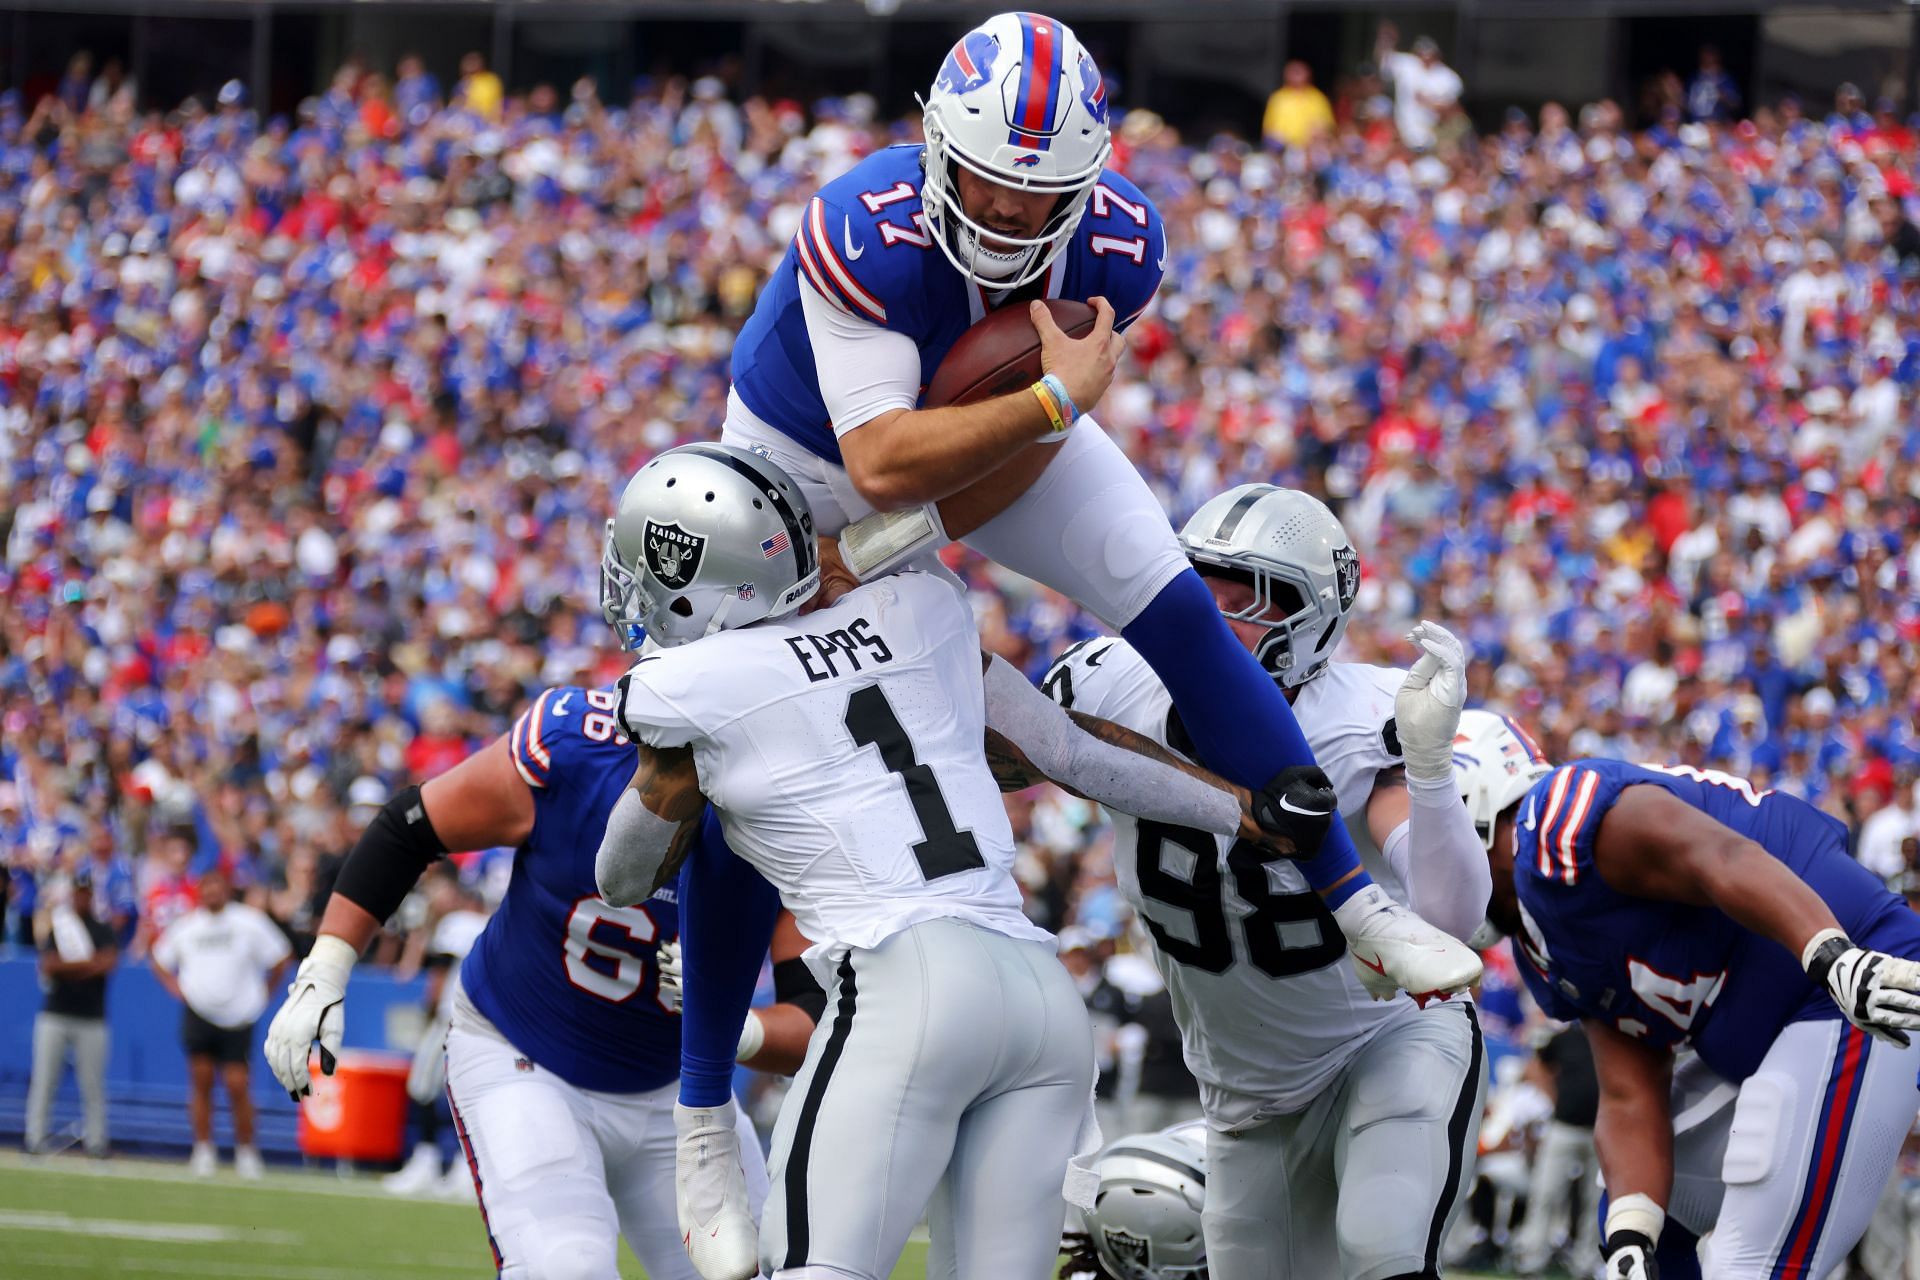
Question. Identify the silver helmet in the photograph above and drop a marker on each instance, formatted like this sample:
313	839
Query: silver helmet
1297	558
706	537
1496	763
1145	1221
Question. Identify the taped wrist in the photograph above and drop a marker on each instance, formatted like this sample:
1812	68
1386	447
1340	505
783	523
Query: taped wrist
794	984
1636	1214
1822	951
753	1037
632	852
390	856
1099	770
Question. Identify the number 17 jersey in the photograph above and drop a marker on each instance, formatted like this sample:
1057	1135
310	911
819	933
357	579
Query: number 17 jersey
843	751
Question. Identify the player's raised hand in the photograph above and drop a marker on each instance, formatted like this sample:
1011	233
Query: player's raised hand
1426	711
1086	364
314	1010
1876	992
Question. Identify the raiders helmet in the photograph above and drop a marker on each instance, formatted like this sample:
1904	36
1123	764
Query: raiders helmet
1496	763
1297	558
706	537
1145	1222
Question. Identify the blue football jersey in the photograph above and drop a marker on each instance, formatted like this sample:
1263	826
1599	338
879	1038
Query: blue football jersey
863	244
570	980
1664	972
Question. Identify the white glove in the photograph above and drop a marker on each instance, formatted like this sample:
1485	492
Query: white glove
1632	1231
1427	708
667	957
1876	992
313	1011
716	1219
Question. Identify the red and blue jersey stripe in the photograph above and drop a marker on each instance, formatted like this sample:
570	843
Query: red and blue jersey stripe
1844	1086
1565	815
527	745
1037	104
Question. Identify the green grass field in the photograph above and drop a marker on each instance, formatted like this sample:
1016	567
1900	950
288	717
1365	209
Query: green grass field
67	1218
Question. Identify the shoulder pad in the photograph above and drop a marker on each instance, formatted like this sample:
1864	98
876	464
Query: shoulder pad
863	241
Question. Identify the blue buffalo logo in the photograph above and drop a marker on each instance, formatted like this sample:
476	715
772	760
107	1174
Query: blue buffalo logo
1026	161
1093	90
969	65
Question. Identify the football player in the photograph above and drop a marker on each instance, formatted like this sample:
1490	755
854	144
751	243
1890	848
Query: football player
1664	905
842	752
1008	201
1322	1104
1145	1219
564	1045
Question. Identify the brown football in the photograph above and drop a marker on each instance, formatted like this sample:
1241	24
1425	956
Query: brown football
1001	354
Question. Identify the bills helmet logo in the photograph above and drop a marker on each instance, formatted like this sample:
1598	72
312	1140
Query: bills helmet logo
1093	90
1026	161
969	65
1129	1249
673	554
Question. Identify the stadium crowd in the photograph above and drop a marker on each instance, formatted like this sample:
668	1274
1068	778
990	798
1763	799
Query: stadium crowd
309	426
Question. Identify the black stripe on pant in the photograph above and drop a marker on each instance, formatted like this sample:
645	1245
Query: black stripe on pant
796	1172
1458	1126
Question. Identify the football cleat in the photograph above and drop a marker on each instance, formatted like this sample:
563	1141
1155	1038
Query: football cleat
1395	950
710	1194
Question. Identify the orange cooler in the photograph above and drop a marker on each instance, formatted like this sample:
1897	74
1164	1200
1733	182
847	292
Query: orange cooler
360	1111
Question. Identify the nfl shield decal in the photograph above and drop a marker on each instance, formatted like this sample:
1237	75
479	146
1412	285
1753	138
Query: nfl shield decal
673	554
1128	1247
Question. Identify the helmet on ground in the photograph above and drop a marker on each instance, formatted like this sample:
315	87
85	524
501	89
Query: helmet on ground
706	537
1295	555
1145	1222
1018	102
1496	763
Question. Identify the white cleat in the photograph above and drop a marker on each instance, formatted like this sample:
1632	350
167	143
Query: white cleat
247	1163
710	1194
203	1161
421	1173
1395	950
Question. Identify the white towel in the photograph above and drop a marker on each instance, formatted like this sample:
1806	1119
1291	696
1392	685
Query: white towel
1082	1183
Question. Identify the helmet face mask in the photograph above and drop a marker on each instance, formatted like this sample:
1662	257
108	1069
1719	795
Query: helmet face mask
1020	103
706	538
1295	555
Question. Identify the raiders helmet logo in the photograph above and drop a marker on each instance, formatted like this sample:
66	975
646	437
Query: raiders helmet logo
673	554
1129	1248
1346	571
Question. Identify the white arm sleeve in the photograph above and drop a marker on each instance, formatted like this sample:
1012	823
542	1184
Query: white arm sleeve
1097	769
632	851
864	370
1438	855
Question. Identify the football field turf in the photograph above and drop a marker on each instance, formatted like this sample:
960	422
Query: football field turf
67	1219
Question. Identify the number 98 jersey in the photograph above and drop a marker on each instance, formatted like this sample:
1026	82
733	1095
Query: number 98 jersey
571	981
1269	1010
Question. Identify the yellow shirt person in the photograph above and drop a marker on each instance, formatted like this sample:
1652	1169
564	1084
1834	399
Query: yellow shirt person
1297	113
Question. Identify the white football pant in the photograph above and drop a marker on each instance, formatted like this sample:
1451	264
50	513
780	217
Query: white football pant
1365	1183
949	1075
563	1172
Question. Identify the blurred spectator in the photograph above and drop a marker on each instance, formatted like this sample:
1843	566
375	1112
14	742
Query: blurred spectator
1712	96
1888	820
220	960
1425	89
1564	1166
479	90
1298	114
76	955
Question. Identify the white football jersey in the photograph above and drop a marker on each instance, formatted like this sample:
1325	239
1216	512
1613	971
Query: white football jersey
844	753
1267	1001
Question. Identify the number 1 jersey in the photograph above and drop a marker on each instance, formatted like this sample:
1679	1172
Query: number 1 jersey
844	753
1268	1004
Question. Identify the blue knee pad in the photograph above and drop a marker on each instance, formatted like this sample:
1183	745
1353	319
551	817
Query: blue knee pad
1234	710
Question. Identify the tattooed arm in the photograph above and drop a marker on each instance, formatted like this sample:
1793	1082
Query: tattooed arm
652	826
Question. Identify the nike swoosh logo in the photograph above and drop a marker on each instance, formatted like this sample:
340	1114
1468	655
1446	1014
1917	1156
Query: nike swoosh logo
846	232
1290	807
1374	964
1161	263
560	707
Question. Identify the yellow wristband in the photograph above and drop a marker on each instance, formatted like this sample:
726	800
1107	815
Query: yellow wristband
1055	414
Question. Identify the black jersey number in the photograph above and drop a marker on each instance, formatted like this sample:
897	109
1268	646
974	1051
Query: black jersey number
945	851
1269	946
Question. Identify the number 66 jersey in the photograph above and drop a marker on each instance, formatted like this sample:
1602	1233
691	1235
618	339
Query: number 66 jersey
843	751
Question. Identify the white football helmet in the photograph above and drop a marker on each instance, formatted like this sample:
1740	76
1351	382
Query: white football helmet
706	537
1020	103
1301	565
1145	1222
1496	763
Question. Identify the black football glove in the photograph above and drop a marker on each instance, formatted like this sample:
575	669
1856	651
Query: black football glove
1298	806
1630	1257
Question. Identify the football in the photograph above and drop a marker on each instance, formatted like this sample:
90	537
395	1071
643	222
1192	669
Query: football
1001	354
